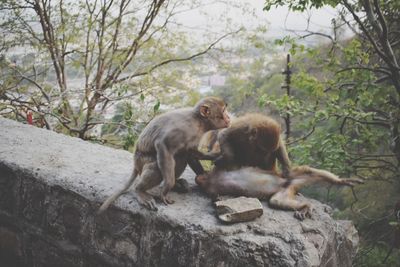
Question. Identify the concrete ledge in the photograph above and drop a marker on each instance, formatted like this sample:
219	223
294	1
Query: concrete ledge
51	186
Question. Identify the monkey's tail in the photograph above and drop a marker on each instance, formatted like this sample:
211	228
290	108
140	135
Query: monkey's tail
117	194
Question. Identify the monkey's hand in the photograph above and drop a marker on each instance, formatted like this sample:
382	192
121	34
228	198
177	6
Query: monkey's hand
205	155
305	212
223	161
200	179
351	181
166	200
146	200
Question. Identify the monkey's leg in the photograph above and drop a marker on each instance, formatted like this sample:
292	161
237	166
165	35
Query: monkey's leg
315	175
285	199
181	185
117	194
166	164
150	177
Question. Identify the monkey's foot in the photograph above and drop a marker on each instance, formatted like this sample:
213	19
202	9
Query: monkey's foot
146	200
166	200
181	186
303	213
351	181
200	179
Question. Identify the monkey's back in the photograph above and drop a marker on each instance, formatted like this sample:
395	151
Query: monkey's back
247	153
172	124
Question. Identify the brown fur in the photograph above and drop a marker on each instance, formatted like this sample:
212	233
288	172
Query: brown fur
251	140
255	182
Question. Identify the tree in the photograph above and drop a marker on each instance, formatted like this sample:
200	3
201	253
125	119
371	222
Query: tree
347	103
88	55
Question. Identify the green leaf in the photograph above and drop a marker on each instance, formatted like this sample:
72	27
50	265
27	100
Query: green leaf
156	106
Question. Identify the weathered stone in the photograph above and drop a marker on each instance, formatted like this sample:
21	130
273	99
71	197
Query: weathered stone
240	209
51	186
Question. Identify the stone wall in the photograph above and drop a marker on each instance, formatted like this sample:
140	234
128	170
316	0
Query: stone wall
51	186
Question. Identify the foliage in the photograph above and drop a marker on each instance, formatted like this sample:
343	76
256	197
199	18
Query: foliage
83	57
127	123
377	256
248	79
345	110
300	5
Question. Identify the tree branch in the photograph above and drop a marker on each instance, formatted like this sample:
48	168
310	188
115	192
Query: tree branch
176	59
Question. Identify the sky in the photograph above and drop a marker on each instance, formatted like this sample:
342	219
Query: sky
276	20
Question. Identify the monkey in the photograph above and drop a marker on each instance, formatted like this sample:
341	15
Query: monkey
163	149
252	140
262	184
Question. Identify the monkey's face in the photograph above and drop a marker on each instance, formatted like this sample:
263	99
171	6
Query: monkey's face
222	119
216	115
214	111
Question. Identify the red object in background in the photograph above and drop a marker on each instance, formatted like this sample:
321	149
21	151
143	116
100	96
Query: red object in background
29	117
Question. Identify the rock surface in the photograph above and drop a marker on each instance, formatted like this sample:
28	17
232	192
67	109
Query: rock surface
239	209
51	186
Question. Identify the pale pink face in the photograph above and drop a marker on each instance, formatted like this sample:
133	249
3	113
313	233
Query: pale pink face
226	118
214	109
222	119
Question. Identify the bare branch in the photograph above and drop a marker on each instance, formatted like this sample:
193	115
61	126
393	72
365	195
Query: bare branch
177	59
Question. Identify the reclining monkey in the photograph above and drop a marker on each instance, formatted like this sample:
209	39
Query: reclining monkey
245	155
262	184
252	140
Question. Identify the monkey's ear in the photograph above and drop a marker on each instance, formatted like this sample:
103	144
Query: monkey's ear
252	134
204	110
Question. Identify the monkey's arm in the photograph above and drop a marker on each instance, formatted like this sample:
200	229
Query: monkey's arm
226	157
205	155
213	139
195	165
283	158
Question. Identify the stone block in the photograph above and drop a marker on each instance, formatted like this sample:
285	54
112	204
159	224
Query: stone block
51	186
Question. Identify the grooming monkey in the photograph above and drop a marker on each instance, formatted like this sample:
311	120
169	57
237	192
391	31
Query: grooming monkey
262	184
165	146
245	156
251	140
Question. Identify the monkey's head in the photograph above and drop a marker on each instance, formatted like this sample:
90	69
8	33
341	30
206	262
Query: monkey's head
265	139
214	112
263	132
